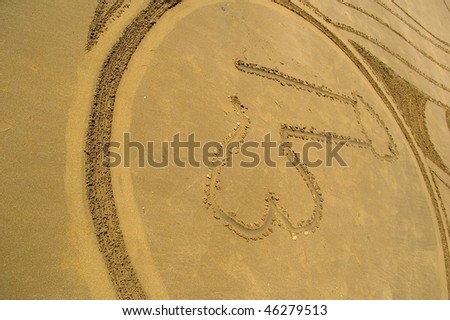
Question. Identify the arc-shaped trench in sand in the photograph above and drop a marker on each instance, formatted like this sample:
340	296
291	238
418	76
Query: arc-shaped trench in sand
98	176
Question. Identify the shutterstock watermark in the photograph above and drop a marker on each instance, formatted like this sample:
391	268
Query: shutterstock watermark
187	151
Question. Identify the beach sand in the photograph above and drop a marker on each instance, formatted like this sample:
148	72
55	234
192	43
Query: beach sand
74	76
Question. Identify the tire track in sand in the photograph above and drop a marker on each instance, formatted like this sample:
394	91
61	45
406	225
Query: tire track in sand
106	11
98	174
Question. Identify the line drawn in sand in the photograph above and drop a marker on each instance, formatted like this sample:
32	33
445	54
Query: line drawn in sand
408	24
288	4
397	32
275	214
419	24
106	12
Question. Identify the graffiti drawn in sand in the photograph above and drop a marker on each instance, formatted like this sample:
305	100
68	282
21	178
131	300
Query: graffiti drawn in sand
275	214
